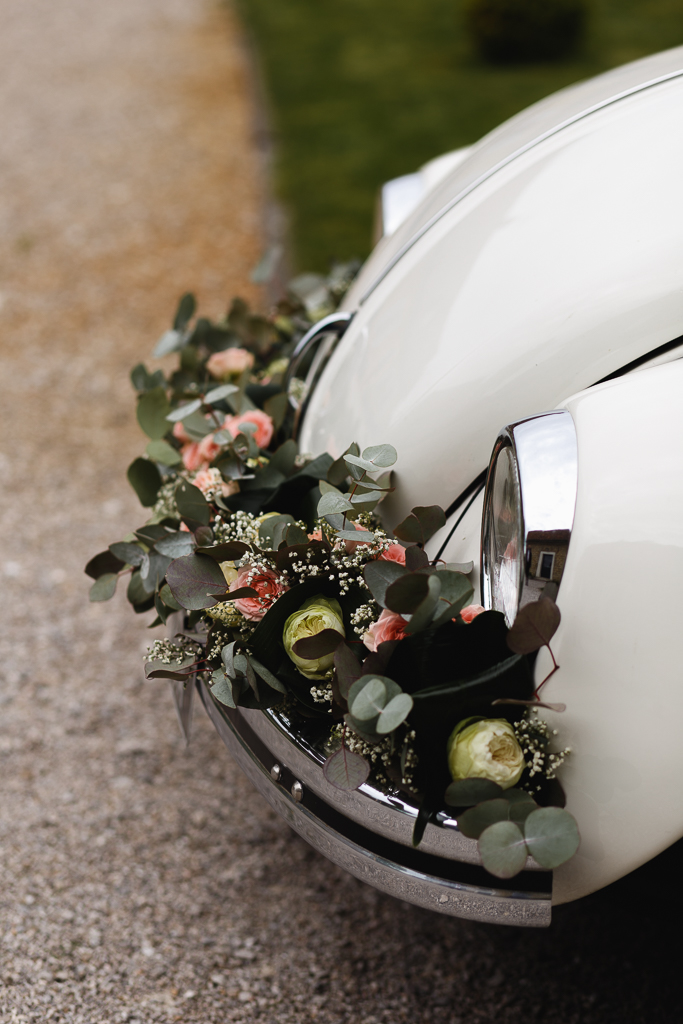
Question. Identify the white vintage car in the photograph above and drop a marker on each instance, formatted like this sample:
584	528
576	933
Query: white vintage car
526	297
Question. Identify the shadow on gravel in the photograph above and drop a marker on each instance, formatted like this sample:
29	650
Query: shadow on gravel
611	958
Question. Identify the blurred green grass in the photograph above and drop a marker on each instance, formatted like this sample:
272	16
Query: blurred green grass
362	91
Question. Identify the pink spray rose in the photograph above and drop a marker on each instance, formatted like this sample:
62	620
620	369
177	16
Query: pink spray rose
389	626
471	612
229	363
262	421
394	553
266	582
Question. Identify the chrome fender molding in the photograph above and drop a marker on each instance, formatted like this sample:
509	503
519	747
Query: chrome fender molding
432	882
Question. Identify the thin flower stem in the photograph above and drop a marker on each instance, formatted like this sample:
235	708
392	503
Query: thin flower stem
551	673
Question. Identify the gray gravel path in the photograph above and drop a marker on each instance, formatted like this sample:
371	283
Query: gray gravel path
139	881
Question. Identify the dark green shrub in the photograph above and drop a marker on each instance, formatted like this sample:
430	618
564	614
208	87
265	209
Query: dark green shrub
526	30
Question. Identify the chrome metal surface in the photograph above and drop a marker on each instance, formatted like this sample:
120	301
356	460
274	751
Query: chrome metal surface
504	163
407	874
297	791
276	772
540	457
319	342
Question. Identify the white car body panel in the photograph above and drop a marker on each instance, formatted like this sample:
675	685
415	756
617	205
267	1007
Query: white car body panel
618	645
513	300
555	271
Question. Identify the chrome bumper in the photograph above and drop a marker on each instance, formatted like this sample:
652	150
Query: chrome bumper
369	833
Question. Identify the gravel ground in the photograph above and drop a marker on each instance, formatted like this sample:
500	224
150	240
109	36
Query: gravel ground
141	881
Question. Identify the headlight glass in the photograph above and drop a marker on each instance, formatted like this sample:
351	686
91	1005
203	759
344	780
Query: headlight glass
503	539
528	511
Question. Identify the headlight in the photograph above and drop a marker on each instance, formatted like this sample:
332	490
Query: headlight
528	510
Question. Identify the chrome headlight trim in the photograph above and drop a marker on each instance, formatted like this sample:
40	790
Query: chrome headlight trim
540	457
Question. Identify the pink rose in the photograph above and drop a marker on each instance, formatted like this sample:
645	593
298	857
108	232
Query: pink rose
208	449
180	433
471	612
316	535
389	626
230	363
394	553
263	423
192	458
268	585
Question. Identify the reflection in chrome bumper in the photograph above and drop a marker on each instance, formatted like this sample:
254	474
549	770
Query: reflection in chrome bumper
445	883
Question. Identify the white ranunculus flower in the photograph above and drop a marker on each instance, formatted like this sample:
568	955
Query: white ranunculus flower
315	615
486	749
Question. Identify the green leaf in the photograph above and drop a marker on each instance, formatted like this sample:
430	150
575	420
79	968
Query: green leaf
422	616
408	592
380	575
534	626
195	580
153	408
183	411
267	675
502	849
456	593
170	341
333	502
347	667
272	530
142	380
318	645
104	587
422	523
369	701
221	688
228	552
346	770
295	535
468	792
196	426
145	479
276	407
338	471
222	391
130	554
552	836
185	311
473	822
357	536
163	452
394	713
192	504
176	544
105	562
168	598
367	498
382	456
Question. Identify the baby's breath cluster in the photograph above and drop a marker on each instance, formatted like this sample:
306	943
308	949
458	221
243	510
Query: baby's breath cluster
165	506
534	736
241	526
171	652
364	616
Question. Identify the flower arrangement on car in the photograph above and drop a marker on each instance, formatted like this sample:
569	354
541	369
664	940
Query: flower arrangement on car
295	595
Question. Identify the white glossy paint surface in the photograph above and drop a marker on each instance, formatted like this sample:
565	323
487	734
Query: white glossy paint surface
561	268
519	131
618	645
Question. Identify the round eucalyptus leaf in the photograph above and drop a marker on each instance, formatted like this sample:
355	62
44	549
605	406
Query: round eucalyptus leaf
103	588
473	822
552	836
468	792
346	770
395	712
502	849
370	701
